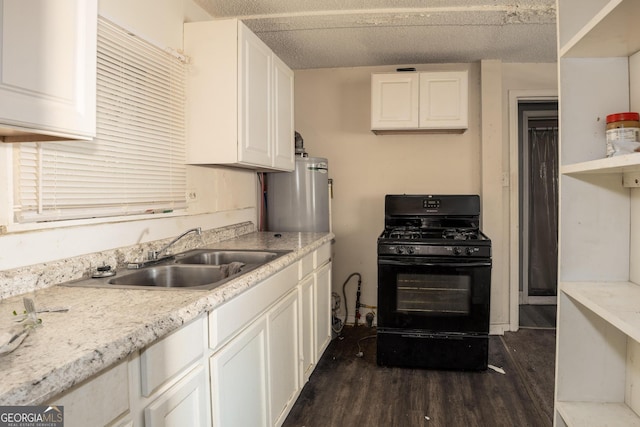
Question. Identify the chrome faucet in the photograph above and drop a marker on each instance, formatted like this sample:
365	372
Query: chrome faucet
155	255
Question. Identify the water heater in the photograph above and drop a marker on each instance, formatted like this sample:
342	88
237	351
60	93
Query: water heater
299	200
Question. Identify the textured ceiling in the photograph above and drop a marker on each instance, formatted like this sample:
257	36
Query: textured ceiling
351	33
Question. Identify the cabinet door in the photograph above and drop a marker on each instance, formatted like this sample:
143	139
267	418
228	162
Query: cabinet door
323	309
48	66
394	101
443	100
284	356
239	380
307	325
283	139
184	404
254	103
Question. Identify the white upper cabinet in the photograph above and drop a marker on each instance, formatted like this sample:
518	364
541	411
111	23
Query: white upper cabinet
394	101
47	69
283	135
419	102
444	100
239	99
255	96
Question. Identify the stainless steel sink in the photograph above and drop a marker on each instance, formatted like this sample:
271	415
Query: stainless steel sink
172	276
220	257
197	269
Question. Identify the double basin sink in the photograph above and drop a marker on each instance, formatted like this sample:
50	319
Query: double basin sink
203	269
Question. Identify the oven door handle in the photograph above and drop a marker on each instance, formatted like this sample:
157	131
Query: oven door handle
430	263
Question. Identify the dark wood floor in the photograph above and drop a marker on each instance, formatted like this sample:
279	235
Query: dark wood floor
538	316
346	390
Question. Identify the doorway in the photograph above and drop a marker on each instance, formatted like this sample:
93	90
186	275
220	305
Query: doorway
538	203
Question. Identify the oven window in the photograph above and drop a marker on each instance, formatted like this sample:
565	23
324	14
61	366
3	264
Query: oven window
434	294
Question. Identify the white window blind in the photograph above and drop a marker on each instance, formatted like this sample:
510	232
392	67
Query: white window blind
136	164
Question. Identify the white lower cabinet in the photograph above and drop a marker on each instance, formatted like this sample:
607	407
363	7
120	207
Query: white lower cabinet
284	356
255	377
98	401
242	365
166	384
322	297
315	306
171	380
239	379
168	357
184	404
307	325
259	367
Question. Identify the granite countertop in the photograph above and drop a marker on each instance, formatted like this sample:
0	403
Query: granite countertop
104	326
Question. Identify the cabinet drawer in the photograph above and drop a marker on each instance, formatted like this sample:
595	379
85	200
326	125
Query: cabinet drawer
172	354
230	317
322	255
97	401
306	265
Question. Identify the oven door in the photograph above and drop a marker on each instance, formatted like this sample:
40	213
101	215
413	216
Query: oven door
448	295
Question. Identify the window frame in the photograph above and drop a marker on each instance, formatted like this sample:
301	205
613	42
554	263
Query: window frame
177	205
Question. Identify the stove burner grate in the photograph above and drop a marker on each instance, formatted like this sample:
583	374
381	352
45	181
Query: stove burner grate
460	234
403	233
411	233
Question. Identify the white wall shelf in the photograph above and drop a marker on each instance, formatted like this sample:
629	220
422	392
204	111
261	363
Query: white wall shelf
614	31
598	331
616	164
616	302
594	414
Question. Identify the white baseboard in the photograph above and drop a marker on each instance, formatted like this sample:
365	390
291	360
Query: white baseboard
499	328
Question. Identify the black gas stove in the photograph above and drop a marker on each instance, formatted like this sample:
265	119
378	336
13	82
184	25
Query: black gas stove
434	283
445	225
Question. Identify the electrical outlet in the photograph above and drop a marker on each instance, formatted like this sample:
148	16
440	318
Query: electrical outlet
192	196
505	179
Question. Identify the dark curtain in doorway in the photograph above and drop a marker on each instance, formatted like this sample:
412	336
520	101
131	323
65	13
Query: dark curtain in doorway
543	206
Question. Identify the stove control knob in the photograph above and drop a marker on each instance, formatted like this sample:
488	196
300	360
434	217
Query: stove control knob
400	249
410	249
457	251
469	251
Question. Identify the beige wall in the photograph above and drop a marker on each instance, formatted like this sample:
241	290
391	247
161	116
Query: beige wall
495	206
333	116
